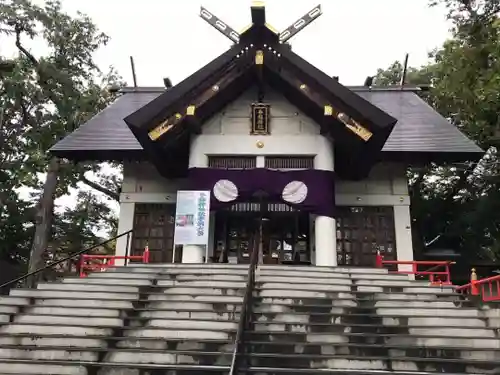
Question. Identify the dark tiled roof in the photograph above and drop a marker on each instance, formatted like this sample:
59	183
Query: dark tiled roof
419	129
107	130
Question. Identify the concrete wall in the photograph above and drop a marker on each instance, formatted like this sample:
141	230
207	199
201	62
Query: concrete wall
292	133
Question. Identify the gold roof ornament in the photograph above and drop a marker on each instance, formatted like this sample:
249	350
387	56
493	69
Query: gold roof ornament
190	110
259	57
258	4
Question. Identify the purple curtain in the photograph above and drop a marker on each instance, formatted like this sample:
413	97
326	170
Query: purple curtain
318	196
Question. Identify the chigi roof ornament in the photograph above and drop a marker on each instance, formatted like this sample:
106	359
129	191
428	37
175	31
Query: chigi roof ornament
258	10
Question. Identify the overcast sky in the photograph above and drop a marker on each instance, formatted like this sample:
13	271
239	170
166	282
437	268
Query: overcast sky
351	39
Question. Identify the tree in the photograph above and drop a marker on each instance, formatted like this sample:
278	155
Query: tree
56	93
457	204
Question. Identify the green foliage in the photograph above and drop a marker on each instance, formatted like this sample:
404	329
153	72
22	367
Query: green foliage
459	204
42	99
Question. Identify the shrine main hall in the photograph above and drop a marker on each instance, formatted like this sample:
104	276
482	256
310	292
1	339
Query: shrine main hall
317	168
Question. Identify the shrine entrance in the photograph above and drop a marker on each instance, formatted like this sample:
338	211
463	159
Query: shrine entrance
285	234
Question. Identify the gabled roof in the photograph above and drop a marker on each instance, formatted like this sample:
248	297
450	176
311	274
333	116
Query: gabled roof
359	121
159	123
420	133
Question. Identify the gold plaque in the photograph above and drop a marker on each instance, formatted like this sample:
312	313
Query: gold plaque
260	119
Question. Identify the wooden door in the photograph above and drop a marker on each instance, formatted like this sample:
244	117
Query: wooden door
154	226
361	231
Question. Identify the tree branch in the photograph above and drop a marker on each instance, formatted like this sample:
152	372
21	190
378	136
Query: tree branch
102	189
23	50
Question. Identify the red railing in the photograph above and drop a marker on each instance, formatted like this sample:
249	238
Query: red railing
438	272
98	263
488	288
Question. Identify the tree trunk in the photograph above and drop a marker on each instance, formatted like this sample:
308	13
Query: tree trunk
43	221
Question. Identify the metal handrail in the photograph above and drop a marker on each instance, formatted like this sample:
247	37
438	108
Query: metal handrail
69	257
246	310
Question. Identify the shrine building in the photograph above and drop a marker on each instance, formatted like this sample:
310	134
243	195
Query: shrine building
317	167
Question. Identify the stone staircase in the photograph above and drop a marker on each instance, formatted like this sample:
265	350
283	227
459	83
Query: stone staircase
182	319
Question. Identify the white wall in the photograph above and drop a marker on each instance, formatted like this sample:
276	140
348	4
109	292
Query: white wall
286	119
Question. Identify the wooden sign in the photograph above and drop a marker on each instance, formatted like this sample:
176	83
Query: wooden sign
260	119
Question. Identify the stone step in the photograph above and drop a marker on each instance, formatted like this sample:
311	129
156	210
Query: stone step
179	293
75	287
340	328
126	281
84	303
430	340
37	354
202	280
47	330
147	279
237	299
14	301
284	349
159	329
360	288
69	294
437	365
220	266
195	315
313	305
68	320
283	370
219	305
320	269
152	272
389	321
362	349
141	356
165	302
5	309
204	284
200	332
150	308
60	340
51	321
54	367
28	367
161	285
274	371
345	293
279	283
74	311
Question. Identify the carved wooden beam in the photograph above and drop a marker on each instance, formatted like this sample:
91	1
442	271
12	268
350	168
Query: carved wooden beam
333	115
189	112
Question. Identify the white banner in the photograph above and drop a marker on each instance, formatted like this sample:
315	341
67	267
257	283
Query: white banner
192	217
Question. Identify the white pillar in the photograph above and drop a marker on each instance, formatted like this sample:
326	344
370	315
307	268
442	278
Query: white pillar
195	253
325	232
404	244
125	223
